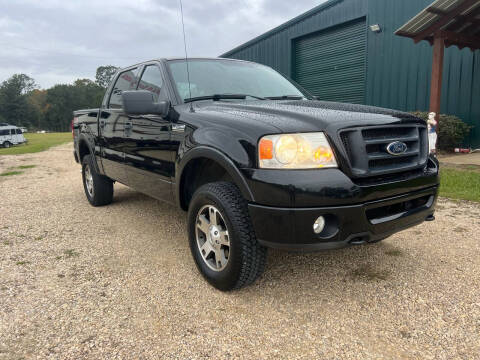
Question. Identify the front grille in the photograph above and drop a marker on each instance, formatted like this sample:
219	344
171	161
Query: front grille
366	149
387	133
389	163
346	143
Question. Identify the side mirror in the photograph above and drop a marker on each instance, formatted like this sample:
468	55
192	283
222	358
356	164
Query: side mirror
141	102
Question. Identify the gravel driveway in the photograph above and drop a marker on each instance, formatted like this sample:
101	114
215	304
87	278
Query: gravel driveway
78	282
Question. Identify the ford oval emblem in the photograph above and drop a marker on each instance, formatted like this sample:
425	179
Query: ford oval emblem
397	148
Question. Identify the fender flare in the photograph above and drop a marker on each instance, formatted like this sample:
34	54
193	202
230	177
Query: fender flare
222	160
82	138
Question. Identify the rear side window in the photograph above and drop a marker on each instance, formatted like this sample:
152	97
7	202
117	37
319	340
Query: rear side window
152	81
126	81
4	132
12	131
19	131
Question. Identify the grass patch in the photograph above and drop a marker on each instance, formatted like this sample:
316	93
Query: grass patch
11	173
38	142
70	253
26	166
369	273
460	184
394	252
23	262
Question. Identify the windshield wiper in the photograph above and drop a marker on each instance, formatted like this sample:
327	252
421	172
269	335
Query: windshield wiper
217	97
285	97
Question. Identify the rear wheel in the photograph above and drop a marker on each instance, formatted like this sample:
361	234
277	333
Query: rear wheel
7	144
222	239
98	188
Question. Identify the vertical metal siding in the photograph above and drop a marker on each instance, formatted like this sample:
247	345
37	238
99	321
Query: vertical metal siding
331	64
399	71
275	49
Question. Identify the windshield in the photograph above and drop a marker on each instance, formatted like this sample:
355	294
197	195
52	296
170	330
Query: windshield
213	77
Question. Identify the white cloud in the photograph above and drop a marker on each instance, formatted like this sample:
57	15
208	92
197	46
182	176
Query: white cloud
62	40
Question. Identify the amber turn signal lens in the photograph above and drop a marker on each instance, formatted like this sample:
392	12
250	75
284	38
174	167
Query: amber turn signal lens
323	154
266	149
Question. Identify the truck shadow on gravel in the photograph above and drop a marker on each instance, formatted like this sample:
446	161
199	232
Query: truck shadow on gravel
365	263
357	264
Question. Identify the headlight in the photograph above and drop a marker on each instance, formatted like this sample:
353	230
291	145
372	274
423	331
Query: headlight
295	151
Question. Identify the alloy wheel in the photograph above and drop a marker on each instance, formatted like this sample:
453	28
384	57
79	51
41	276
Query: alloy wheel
89	180
212	237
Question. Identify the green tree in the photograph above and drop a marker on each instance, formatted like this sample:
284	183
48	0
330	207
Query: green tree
14	105
105	74
63	100
22	104
38	101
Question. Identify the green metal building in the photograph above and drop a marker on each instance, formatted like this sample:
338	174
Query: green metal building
332	51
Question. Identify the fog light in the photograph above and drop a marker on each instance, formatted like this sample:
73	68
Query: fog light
319	225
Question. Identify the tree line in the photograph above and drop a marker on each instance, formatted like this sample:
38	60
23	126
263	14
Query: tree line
23	103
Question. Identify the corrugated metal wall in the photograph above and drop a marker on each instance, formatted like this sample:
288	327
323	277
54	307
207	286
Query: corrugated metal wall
275	49
398	71
330	64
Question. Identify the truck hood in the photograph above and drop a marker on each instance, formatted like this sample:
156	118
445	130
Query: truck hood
303	115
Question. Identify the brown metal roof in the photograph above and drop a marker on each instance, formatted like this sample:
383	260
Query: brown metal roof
457	21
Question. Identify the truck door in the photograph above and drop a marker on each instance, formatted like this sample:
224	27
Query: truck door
111	124
148	156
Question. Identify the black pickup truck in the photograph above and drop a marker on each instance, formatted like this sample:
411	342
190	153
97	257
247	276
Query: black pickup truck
256	161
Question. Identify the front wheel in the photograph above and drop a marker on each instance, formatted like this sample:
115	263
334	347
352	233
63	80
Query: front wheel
222	239
98	188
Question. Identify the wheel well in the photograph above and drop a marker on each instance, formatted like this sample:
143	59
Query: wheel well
83	150
199	172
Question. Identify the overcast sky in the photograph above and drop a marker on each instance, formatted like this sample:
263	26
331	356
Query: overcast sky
58	41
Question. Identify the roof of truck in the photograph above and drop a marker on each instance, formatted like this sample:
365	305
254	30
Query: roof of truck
202	58
183	58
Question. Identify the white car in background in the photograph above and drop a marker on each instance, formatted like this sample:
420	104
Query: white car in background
11	135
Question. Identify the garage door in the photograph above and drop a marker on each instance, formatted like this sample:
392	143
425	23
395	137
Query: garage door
331	64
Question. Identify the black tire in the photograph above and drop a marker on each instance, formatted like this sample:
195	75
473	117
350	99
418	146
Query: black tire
102	187
246	257
7	144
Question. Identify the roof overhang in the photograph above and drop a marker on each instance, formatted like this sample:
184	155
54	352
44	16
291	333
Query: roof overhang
455	21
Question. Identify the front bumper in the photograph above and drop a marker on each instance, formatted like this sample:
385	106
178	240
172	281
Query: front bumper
292	228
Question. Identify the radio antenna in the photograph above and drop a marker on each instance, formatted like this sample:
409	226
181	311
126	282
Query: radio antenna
186	57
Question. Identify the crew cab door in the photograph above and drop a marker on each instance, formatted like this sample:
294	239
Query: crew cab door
148	153
111	124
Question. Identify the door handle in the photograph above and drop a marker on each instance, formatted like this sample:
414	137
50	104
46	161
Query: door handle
103	122
128	125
